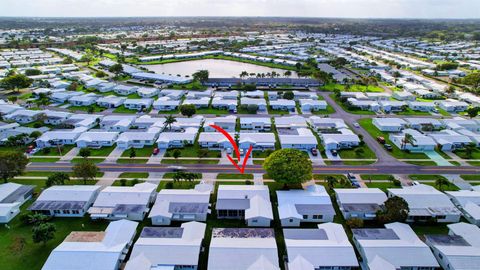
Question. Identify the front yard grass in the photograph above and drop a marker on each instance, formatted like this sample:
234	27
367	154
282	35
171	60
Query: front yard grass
47	160
211	110
132	161
193	151
189	161
123	109
245	176
101	152
133	175
329	110
367	124
423	177
353	88
53	151
146	151
381	185
470	177
374	177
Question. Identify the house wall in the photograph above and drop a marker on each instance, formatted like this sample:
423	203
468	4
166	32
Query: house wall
258	222
14	211
290	222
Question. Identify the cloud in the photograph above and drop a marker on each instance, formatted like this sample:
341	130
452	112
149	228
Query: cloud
300	8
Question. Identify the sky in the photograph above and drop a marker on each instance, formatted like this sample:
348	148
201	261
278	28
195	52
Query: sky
281	8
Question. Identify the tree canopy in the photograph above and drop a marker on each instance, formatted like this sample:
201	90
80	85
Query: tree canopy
12	163
201	76
288	166
395	210
188	110
85	170
15	81
58	178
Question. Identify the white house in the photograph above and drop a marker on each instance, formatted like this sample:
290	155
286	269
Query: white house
283	104
199	94
137	139
94	250
311	204
198	103
131	203
110	101
256	123
299	95
117	122
389	106
253	94
394	247
227	123
138	104
180	205
64	96
23	116
249	202
260	102
325	247
55	117
421	123
12	197
449	140
168	247
259	141
58	137
389	124
403	95
84	100
146	122
420	142
243	249
300	138
96	139
460	249
125	90
172	94
468	201
308	105
226	95
453	105
330	124
362	203
461	123
367	105
166	104
147	92
378	96
426	204
222	103
177	139
421	106
65	201
345	139
86	121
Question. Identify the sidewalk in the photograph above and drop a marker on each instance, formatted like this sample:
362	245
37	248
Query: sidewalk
108	179
70	155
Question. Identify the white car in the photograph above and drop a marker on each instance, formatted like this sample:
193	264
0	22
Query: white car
356	125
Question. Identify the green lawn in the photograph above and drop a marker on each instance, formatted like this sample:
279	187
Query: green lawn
424	229
348	109
422	177
47	174
133	175
374	177
409	111
329	110
367	124
381	185
190	161
122	109
169	175
94	160
101	152
350	153
422	163
245	176
177	185
450	187
353	88
192	151
47	160
17	250
471	177
53	151
323	176
40	183
126	183
461	153
96	108
140	152
211	110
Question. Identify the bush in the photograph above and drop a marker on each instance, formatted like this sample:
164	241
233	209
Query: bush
46	151
123	182
37	125
397	183
355	223
169	185
248	182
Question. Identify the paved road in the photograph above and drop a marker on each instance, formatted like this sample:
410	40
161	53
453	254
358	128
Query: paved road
206	168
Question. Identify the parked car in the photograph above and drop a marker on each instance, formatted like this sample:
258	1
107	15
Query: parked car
381	139
334	153
30	149
351	177
314	151
155	151
356	125
388	147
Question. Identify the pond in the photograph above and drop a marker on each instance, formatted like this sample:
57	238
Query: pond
217	68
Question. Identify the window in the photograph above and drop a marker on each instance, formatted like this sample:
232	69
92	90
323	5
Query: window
56	212
305	216
66	211
76	212
441	217
290	220
317	216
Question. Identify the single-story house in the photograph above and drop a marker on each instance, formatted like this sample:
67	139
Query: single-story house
138	104
321	124
283	104
257	124
449	140
12	197
96	139
362	203
366	105
117	122
308	105
138	139
226	95
172	94
198	103
222	103
24	116
65	201
426	204
64	96
248	202
300	138
299	95
378	96
290	122
420	143
325	247
177	139
131	203
180	205
344	140
421	106
468	201
94	250
125	90
147	92
394	247
168	247
453	105
55	117
260	102
259	140
166	104
312	205
420	123
389	124
84	100
404	96
392	106
59	137
227	123
111	101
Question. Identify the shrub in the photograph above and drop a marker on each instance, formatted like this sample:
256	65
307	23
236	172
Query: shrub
123	182
355	223
169	185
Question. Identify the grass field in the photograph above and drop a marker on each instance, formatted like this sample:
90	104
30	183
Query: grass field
133	175
353	88
146	151
193	151
374	177
131	161
189	161
245	176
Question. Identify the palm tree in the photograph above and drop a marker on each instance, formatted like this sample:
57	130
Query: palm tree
331	181
408	139
169	120
469	148
441	182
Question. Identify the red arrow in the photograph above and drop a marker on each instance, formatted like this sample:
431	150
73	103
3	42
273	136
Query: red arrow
236	149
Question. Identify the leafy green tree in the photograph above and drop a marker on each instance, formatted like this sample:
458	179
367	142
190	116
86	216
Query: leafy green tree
201	76
252	108
473	111
441	182
73	86
44	232
85	170
395	210
288	166
58	178
469	148
133	153
331	181
12	163
15	82
355	223
34	219
288	95
176	153
116	68
188	110
32	72
472	79
100	74
85	152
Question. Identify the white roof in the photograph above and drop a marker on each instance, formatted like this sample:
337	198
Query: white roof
169	251
138	194
326	246
360	195
167	196
312	195
80	193
92	136
102	255
8	188
290	121
403	250
424	197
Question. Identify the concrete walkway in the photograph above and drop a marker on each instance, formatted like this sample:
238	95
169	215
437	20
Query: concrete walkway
437	158
458	181
456	158
156	159
316	160
209	178
114	155
403	178
70	155
155	177
258	179
108	179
